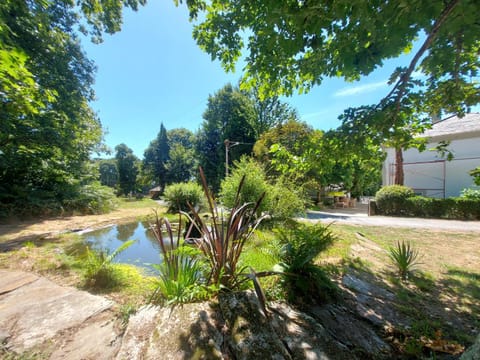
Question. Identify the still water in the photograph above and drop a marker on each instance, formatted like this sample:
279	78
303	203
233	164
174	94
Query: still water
144	252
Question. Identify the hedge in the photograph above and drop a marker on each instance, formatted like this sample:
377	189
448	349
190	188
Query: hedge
419	206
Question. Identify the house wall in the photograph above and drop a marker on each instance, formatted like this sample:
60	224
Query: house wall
430	175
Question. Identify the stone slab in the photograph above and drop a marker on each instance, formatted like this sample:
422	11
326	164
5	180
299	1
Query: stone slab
98	338
36	312
12	280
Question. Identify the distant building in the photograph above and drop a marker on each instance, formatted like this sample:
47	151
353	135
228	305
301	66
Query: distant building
155	192
431	175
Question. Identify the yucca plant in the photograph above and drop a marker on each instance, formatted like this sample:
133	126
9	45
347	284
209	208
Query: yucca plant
222	238
404	257
99	269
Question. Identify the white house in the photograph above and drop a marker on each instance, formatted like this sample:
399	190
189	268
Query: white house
431	175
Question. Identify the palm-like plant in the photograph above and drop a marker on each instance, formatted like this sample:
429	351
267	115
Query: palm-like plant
222	239
299	246
404	257
99	271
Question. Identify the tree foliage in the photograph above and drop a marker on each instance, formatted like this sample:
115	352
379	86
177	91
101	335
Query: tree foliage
108	172
181	166
295	45
127	169
229	116
155	158
47	129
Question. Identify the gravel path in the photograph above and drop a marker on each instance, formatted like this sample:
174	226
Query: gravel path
360	217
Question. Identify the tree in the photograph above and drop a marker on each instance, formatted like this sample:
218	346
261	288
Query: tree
181	164
127	169
155	158
108	172
47	129
270	111
228	116
295	45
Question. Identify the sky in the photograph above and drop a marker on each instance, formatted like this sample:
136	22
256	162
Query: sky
152	71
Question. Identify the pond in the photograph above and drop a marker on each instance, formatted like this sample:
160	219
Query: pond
144	252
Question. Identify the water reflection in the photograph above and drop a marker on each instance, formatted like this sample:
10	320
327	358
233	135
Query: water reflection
143	252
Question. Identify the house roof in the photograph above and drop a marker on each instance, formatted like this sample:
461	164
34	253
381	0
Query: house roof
454	127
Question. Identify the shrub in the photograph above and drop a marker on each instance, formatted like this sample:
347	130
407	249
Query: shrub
450	208
392	199
285	202
222	239
180	195
253	186
99	267
182	271
91	199
470	194
300	245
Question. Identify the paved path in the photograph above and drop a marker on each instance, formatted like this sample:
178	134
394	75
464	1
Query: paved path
65	322
360	217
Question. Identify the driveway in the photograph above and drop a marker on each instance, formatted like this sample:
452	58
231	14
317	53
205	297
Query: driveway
359	216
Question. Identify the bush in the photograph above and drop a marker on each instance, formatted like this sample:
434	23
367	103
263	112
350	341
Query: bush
282	201
285	202
420	206
180	195
392	199
470	194
100	269
254	185
299	246
91	199
404	257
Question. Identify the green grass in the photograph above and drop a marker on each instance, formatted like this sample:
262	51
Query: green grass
126	203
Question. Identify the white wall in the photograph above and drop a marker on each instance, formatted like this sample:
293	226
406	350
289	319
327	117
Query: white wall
427	172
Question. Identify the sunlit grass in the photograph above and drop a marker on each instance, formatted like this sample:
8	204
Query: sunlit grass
133	203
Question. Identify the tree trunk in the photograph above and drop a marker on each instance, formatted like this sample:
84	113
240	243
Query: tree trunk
399	176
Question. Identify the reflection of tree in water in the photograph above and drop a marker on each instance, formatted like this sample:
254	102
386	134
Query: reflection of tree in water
100	232
148	232
125	232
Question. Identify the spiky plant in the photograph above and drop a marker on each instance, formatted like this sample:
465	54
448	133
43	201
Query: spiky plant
181	272
222	238
404	257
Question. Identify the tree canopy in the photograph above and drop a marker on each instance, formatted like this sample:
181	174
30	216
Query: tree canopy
229	116
297	44
47	129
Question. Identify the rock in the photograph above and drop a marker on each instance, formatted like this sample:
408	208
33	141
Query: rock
190	331
357	335
97	338
251	334
304	337
366	288
39	310
11	280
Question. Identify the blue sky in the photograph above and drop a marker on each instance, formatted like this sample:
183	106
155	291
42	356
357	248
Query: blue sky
153	71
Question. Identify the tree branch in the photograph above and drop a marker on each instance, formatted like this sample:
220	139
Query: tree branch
402	82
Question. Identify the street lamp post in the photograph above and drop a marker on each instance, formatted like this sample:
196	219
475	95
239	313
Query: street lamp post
228	144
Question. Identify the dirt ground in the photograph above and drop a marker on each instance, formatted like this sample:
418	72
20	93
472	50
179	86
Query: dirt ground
15	230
